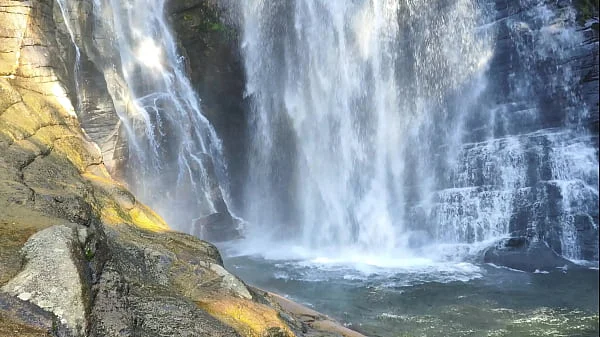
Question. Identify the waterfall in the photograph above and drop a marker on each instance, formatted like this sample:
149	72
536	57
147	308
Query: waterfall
382	126
174	157
63	11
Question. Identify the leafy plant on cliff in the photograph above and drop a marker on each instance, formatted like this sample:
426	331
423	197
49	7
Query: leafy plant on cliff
206	19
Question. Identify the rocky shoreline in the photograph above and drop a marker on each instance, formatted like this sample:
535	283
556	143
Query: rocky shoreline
121	280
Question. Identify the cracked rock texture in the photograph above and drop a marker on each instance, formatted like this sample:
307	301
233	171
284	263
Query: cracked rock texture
46	252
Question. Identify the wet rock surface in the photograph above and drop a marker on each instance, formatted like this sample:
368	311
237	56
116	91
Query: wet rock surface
530	155
105	99
523	254
217	227
209	40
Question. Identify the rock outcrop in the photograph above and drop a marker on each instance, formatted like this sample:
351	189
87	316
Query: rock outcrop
46	253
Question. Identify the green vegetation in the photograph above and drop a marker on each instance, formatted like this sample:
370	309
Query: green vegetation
587	9
89	254
218	27
207	19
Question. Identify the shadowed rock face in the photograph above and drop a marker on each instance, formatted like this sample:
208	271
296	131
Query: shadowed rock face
210	42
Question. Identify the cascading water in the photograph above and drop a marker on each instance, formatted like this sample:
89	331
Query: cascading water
173	151
360	86
384	125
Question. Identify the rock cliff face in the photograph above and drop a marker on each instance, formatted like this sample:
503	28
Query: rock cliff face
528	163
79	255
50	171
134	100
544	84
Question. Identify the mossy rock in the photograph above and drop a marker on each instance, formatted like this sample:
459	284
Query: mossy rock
587	9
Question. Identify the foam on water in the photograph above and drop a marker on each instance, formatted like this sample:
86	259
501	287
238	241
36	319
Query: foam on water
392	276
508	268
436	263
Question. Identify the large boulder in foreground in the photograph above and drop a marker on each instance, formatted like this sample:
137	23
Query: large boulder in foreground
51	278
524	254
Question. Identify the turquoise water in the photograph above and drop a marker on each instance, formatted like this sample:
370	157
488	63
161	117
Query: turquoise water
434	299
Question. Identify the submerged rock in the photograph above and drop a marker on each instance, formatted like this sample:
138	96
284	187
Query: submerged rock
524	254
